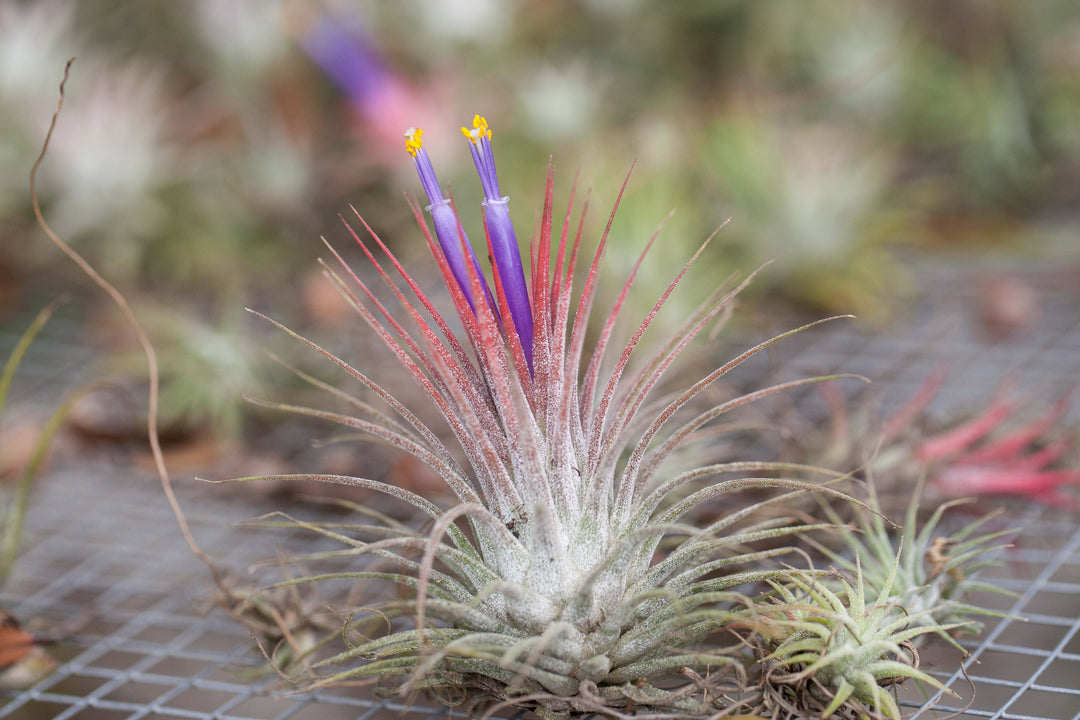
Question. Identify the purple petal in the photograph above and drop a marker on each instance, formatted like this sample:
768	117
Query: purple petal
508	260
501	233
448	229
451	236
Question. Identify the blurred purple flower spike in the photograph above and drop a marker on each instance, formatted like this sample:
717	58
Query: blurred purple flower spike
380	98
342	50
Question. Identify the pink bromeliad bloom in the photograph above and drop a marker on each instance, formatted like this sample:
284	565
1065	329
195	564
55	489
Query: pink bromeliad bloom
980	458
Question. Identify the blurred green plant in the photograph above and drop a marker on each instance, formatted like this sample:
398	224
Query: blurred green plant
990	112
814	198
17	503
839	130
198	139
199	145
206	369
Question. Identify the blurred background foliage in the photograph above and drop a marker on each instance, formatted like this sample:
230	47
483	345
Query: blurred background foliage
207	144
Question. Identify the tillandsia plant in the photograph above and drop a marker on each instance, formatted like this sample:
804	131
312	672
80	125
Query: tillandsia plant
930	575
566	578
983	456
826	649
1011	448
830	645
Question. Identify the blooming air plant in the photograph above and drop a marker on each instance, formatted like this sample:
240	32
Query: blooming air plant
567	578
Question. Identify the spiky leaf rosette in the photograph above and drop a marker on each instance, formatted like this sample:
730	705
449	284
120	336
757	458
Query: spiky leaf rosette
833	650
543	585
931	575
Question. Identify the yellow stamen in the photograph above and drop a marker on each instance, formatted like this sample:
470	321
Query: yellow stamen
478	131
413	141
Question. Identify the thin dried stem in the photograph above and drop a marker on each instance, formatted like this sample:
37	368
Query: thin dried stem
143	340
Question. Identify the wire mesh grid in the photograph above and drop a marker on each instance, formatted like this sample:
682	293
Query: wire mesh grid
132	606
106	569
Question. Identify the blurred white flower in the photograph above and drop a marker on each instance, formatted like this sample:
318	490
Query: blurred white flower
558	102
827	185
814	198
110	154
466	20
35	41
860	62
275	167
245	35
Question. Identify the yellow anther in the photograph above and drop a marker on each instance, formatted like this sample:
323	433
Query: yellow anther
413	141
478	131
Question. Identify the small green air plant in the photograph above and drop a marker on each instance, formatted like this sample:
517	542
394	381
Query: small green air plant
830	649
930	575
826	648
547	586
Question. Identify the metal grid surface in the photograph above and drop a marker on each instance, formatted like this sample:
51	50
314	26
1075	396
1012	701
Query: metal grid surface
105	568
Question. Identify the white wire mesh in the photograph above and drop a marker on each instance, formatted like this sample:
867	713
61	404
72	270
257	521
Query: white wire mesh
105	567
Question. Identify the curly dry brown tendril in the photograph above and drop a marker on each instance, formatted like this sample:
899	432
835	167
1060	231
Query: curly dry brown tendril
971	701
794	695
143	340
281	617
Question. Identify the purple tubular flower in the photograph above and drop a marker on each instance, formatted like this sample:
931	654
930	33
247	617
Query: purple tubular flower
345	54
447	228
503	238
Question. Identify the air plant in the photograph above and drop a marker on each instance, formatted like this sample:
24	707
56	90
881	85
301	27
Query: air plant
831	646
121	112
827	649
566	579
931	575
981	456
204	369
